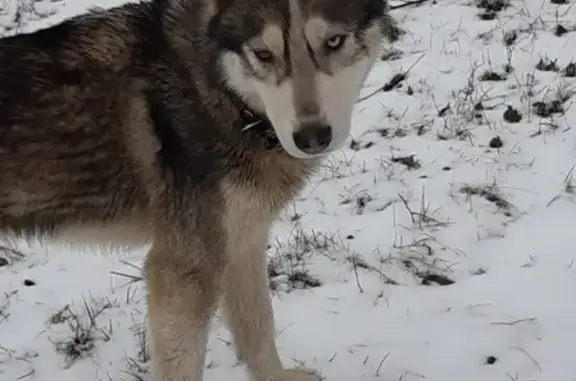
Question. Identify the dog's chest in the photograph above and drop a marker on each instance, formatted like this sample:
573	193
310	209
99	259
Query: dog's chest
253	203
248	212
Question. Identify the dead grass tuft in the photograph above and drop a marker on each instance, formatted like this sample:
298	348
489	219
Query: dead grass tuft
84	330
489	193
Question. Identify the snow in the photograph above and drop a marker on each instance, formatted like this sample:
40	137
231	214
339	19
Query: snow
355	259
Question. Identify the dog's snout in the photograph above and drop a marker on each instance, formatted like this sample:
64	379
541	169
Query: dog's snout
313	138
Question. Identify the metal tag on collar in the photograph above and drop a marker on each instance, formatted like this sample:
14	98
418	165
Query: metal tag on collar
247	127
249	116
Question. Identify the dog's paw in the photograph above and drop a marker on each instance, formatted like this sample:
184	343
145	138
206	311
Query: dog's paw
298	374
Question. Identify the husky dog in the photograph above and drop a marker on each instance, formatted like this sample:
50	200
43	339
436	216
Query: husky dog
188	125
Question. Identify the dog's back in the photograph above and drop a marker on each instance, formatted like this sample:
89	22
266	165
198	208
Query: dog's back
67	102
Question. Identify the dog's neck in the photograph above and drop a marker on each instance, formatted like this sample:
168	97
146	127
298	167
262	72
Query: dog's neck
254	122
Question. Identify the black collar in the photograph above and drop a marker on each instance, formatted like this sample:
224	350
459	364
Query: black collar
259	125
255	124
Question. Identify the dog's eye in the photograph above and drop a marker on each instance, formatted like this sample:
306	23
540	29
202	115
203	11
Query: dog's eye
264	55
335	42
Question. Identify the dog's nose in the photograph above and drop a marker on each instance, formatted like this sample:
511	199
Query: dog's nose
313	137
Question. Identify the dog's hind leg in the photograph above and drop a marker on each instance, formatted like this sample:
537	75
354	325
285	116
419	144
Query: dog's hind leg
248	311
183	272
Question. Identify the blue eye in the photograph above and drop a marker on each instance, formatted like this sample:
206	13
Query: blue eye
335	42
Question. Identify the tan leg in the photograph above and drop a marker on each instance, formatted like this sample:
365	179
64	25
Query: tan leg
248	311
183	285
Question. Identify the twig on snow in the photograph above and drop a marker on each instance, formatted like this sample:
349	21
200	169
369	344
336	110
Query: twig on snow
394	81
407	4
514	322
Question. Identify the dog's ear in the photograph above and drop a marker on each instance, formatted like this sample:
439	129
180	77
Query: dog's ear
222	4
212	7
233	24
223	28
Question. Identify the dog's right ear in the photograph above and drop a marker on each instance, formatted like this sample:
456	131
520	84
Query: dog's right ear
212	7
222	4
223	29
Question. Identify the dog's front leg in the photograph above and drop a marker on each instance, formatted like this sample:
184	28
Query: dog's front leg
249	314
183	272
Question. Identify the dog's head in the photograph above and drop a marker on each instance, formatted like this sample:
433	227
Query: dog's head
300	62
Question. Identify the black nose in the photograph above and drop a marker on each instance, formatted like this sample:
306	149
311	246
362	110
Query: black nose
313	138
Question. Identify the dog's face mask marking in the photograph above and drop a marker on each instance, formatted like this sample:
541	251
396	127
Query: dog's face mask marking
302	63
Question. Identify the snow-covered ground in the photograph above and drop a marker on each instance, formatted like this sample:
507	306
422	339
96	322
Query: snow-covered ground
439	245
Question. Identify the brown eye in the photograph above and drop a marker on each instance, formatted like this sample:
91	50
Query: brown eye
335	42
264	55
